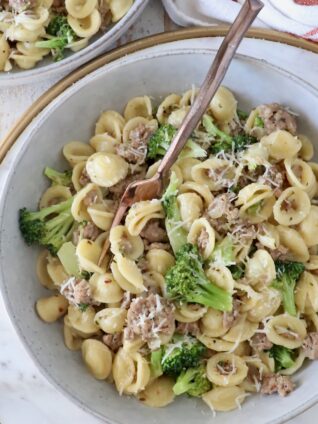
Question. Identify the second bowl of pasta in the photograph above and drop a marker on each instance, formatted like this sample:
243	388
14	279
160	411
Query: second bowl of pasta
207	304
49	37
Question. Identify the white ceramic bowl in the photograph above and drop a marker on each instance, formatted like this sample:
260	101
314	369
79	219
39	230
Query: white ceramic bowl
71	117
97	45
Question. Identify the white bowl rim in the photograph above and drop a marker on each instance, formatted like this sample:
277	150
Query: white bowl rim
76	59
43	115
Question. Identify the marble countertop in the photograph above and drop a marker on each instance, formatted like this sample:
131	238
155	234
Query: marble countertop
25	396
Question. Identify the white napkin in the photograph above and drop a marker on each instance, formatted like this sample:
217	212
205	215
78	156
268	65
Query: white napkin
299	17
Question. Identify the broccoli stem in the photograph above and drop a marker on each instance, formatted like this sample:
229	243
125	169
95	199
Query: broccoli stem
155	363
176	233
59	178
213	130
287	275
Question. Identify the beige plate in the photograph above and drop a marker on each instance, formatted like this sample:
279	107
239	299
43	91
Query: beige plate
135	46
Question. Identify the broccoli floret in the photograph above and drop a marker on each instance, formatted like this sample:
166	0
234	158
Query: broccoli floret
193	381
287	274
242	114
58	178
223	253
176	233
258	122
82	306
160	142
187	282
241	141
224	142
49	227
237	271
155	363
183	353
284	357
62	34
86	275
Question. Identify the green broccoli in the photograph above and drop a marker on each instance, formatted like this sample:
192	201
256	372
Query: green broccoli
58	178
160	142
287	274
49	227
224	142
284	357
258	122
176	233
237	271
242	114
223	253
183	353
187	282
193	381
155	363
62	34
82	306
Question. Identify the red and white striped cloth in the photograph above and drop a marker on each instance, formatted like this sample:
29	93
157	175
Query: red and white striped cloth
298	17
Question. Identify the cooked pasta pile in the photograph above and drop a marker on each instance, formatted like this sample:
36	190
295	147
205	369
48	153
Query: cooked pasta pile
33	29
209	291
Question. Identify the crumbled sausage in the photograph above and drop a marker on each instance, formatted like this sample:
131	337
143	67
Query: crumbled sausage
149	317
89	231
280	253
126	300
113	341
118	189
58	6
163	246
226	368
188	328
310	345
77	291
135	150
105	13
153	232
276	383
225	218
230	318
275	177
84	178
91	198
260	342
203	239
275	117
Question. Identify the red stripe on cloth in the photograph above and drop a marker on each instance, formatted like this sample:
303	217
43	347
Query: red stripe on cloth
307	2
311	33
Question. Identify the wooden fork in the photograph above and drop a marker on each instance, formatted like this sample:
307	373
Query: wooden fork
153	187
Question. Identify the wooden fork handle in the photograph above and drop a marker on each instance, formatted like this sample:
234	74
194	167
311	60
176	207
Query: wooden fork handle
212	81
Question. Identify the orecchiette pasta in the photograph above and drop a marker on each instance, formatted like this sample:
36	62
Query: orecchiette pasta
292	206
51	308
158	393
142	212
106	169
97	357
281	145
226	369
159	260
216	279
224	398
111	320
286	331
105	289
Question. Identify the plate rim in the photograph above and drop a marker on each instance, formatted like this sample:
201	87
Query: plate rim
77	401
153	40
